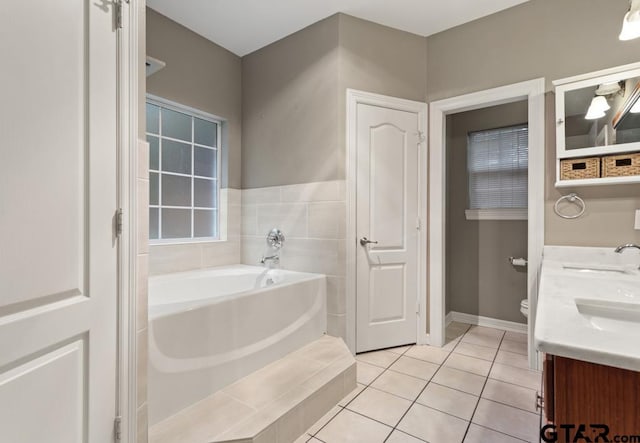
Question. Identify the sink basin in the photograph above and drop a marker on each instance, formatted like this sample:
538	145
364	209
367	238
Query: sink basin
610	315
606	269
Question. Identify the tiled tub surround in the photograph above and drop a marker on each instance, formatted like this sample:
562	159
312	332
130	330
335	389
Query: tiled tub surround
185	256
208	328
312	217
476	389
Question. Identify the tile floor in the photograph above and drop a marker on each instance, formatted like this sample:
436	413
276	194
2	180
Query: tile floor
476	389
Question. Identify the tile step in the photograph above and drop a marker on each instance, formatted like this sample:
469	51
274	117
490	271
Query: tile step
275	404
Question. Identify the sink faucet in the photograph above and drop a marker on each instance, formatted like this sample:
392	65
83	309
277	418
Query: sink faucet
275	258
621	248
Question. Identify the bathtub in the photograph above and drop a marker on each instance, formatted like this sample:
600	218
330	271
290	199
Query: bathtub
209	328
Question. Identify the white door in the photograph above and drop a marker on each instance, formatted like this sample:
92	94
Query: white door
387	215
58	252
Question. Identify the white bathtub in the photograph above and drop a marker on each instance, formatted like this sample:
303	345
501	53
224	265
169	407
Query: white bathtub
208	328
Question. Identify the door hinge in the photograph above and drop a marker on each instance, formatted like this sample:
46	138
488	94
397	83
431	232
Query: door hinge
418	308
119	218
117	428
117	7
119	11
421	137
418	223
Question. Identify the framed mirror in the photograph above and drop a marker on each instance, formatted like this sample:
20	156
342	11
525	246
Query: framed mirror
598	113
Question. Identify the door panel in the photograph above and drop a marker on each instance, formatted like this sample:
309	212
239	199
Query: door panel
58	196
386	212
60	374
386	280
387	194
43	148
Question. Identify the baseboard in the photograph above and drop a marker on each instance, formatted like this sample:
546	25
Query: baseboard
486	321
448	319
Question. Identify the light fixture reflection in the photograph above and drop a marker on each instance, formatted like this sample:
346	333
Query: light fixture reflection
594	114
631	22
597	108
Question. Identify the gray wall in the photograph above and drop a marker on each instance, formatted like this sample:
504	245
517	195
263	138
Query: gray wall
551	39
294	95
290	103
202	75
480	280
378	59
205	76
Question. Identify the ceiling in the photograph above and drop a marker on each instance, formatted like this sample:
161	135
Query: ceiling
243	26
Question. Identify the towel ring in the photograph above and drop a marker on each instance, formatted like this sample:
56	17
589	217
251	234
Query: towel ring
572	198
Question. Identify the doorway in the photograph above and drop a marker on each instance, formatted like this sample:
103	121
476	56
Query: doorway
533	92
386	201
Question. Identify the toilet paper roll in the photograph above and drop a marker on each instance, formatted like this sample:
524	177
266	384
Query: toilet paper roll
519	262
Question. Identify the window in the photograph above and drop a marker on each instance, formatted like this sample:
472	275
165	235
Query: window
497	164
184	171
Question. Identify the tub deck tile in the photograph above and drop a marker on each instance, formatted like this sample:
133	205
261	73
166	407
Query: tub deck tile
198	422
273	404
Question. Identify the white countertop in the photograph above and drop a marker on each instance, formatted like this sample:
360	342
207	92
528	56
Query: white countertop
589	305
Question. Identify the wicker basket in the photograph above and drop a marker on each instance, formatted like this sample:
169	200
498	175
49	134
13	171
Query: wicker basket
577	168
621	165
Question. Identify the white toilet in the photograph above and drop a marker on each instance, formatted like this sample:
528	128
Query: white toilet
524	307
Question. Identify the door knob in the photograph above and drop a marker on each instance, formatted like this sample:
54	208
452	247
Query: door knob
364	241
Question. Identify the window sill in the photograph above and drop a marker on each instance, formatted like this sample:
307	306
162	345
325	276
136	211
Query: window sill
185	241
496	214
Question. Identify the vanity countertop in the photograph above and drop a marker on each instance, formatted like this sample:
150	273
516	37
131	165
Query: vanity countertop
589	305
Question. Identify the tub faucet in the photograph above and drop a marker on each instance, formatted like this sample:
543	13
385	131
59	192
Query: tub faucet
621	248
275	258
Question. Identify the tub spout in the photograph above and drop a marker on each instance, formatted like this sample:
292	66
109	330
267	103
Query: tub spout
273	258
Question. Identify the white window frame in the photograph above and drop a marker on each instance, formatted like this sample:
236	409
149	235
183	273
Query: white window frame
494	213
219	210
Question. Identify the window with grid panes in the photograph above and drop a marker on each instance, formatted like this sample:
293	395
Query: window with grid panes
184	153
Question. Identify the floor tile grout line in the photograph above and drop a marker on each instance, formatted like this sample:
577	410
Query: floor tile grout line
422	390
329	421
495	430
358	394
372	419
429	381
500	432
507	404
481	391
455	389
481	397
514	384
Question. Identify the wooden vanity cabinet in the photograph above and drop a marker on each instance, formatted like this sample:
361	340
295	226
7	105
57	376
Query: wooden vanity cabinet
580	393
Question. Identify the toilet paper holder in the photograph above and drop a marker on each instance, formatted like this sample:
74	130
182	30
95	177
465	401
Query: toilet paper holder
518	261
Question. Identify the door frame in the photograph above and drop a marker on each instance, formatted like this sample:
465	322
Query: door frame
353	99
533	91
128	77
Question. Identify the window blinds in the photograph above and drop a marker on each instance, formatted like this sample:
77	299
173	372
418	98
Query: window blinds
497	163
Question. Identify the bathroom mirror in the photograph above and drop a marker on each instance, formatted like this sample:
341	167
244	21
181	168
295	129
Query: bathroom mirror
598	112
